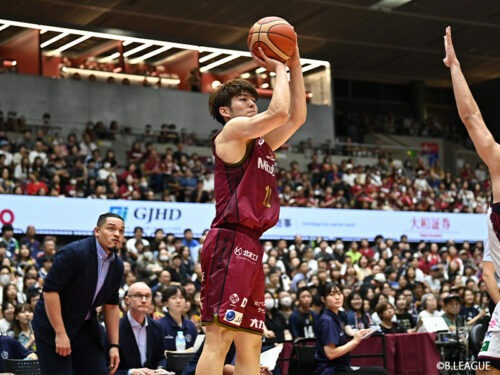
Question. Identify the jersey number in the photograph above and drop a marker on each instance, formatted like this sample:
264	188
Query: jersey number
267	199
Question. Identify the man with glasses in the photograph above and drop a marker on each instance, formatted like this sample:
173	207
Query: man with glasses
141	338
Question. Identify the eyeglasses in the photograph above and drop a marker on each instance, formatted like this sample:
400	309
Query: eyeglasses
140	297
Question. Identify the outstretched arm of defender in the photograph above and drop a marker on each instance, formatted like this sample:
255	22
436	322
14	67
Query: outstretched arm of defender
275	138
487	148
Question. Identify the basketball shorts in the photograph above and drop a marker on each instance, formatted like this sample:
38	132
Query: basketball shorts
232	287
490	350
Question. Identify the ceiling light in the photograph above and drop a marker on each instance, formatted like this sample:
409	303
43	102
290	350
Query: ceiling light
209	57
54	39
260	70
310	67
219	62
126	43
245	75
136	49
14	62
149	55
389	4
3	27
215	84
265	85
71	44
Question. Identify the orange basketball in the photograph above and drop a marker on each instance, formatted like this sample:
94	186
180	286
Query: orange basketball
275	36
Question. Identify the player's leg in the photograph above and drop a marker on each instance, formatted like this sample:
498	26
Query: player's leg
248	346
217	343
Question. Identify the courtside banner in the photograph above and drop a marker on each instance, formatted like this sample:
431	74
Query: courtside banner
78	216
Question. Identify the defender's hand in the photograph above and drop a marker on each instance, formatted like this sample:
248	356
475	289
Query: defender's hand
451	57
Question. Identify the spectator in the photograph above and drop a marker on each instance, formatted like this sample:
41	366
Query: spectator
138	232
174	299
8	309
30	240
303	320
9	240
357	317
190	242
21	326
275	326
141	341
385	311
429	308
404	318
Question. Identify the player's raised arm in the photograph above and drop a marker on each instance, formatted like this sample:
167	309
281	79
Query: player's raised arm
298	107
469	112
246	128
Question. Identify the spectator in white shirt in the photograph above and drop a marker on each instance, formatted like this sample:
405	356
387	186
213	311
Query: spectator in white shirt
138	232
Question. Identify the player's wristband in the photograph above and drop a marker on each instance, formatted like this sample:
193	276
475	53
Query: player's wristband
114	346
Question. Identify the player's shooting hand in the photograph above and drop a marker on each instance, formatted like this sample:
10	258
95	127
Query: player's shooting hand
63	345
114	360
451	57
266	62
294	60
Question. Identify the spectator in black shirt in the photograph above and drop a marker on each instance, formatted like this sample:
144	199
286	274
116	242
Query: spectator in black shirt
276	327
385	311
403	317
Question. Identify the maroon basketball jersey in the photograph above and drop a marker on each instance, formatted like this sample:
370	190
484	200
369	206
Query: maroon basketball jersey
246	194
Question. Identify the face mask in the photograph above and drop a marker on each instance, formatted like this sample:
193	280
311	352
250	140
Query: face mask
148	255
4	279
164	258
144	184
286	301
269	304
340	246
121	293
267	248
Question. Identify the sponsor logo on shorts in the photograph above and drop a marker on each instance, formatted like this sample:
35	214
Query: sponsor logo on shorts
234	299
244	302
233	317
256	323
239	252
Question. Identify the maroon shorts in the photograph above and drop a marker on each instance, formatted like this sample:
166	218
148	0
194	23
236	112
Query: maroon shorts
232	287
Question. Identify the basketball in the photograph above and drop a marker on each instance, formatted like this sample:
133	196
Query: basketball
275	36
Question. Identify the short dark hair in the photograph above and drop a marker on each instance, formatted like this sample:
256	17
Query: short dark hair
328	288
222	95
302	290
187	230
172	291
381	307
102	218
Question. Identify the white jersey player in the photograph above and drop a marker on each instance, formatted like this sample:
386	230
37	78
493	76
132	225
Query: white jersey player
489	151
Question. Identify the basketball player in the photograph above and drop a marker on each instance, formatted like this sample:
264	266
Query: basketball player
247	204
489	151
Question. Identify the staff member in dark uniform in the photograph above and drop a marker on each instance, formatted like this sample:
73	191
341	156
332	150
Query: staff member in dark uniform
85	274
332	348
174	297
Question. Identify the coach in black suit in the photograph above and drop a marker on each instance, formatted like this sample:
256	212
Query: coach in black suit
141	338
85	274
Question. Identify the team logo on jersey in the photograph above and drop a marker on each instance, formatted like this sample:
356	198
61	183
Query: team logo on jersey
5	354
256	323
263	164
261	142
233	317
188	337
239	252
234	299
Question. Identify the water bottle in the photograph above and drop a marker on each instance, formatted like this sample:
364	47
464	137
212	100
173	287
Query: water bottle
180	342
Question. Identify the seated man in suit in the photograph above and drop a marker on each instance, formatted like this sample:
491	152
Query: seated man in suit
141	338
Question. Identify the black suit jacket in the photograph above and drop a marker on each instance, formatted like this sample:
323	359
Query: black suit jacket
74	276
130	356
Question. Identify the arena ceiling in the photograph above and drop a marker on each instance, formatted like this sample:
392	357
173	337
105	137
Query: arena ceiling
398	43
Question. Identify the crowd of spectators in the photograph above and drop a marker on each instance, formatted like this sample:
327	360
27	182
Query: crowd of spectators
355	125
158	168
386	283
